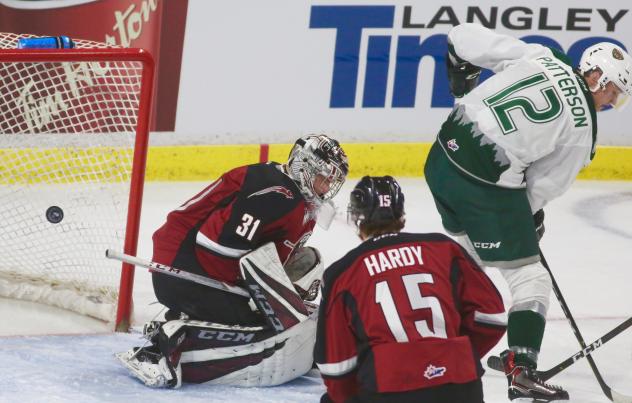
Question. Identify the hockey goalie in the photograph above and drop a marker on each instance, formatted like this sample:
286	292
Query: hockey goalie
246	229
187	350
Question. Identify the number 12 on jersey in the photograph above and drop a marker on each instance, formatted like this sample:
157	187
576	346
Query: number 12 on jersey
384	298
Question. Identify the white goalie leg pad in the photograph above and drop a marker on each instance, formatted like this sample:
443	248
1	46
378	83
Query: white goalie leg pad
292	357
466	243
530	288
271	289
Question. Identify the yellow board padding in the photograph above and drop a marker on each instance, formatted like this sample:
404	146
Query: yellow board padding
375	159
202	163
197	163
396	159
609	163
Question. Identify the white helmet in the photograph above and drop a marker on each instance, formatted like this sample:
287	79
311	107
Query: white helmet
317	155
615	65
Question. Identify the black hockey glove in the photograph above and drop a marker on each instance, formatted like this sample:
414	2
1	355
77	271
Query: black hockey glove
463	77
538	220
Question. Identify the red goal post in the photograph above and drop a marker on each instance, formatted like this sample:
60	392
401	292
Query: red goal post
95	114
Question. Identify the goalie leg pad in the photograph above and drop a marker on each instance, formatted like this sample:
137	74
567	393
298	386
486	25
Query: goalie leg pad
274	360
272	291
206	335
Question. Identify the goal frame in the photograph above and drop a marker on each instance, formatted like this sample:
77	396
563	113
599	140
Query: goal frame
125	303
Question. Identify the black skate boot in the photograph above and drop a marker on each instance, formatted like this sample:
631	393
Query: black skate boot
151	329
525	385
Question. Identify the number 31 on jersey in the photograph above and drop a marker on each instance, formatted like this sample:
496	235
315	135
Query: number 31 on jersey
248	226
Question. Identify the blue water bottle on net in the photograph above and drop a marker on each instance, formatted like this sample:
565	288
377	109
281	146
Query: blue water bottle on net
46	42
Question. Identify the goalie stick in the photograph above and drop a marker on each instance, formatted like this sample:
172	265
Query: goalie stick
185	275
172	271
495	362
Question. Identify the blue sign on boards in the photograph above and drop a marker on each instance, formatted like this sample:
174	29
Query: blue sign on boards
350	21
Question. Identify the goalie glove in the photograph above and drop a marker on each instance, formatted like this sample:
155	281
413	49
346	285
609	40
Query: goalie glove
305	269
462	76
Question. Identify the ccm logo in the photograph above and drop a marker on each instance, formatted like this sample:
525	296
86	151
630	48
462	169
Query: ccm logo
226	336
487	245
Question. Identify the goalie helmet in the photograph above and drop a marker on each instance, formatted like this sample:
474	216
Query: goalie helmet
613	62
376	200
315	155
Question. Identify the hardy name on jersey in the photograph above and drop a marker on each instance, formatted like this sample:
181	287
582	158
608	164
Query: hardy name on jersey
393	259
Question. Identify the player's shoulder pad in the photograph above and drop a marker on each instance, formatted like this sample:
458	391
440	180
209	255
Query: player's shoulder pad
561	56
424	237
336	269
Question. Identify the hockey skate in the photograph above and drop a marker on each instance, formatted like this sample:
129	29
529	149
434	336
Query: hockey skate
151	367
524	384
151	330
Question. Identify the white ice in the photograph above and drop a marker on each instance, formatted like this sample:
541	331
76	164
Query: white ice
54	356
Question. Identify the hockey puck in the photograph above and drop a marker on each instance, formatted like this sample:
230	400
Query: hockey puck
54	214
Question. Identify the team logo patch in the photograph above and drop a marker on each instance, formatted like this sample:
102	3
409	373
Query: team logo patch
616	53
434	372
274	189
452	145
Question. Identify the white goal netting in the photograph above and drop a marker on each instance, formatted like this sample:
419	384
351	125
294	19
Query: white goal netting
67	132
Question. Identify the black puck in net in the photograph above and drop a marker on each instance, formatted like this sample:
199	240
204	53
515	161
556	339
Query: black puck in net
54	214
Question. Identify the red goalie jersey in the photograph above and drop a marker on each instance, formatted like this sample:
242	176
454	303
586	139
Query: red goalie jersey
244	209
404	312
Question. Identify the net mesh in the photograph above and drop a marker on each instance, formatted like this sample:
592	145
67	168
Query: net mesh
67	131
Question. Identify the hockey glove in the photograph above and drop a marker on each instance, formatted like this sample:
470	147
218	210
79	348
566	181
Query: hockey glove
305	269
463	76
538	221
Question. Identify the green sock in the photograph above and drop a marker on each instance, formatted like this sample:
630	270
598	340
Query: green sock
525	329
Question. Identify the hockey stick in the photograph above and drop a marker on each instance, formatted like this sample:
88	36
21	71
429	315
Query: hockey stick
495	362
610	394
172	271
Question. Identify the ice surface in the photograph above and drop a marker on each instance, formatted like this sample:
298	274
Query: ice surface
588	243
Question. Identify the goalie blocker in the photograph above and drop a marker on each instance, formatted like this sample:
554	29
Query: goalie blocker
196	351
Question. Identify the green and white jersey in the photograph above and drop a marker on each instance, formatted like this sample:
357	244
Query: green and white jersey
532	124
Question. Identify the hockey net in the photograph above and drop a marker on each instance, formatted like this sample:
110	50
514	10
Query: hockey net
73	141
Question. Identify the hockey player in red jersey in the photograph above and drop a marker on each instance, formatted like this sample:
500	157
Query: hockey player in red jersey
242	210
245	209
404	317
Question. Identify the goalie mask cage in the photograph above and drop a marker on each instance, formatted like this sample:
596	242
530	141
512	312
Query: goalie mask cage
73	146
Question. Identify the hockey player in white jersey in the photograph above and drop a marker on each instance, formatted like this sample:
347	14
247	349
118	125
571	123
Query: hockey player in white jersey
509	146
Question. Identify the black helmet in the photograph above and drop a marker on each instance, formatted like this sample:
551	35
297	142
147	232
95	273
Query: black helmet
376	200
